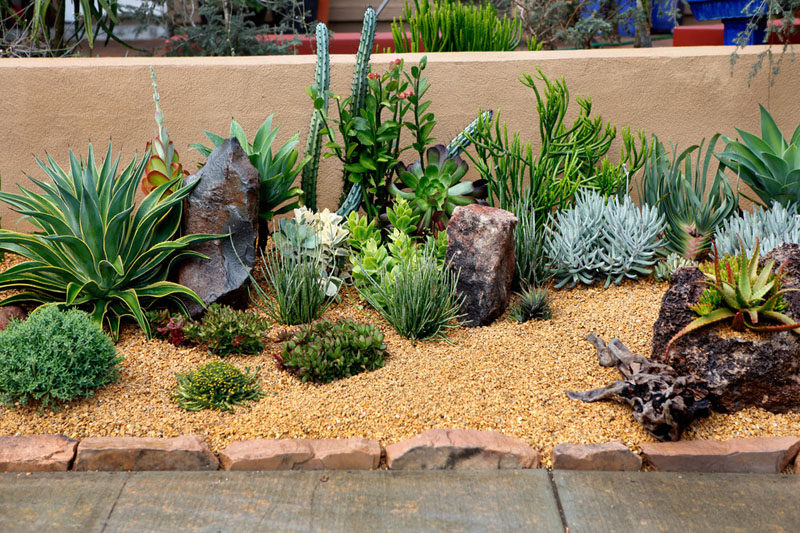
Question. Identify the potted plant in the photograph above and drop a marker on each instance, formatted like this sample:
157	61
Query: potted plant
736	15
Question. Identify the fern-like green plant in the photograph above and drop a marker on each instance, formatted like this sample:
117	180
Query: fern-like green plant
95	249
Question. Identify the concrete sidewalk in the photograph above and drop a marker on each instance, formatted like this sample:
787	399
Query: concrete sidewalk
508	500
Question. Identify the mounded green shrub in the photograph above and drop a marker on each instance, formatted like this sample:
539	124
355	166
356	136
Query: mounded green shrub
324	351
224	331
217	385
53	357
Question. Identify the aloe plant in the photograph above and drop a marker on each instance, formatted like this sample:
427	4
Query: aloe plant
742	293
435	189
96	249
164	164
769	165
680	190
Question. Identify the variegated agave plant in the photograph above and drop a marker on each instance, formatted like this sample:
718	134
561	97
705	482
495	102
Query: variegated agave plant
96	250
743	293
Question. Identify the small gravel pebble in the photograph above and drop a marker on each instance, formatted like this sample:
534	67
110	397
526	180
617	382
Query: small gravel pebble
507	377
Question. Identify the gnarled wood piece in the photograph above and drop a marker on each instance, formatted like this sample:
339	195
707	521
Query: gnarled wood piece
663	402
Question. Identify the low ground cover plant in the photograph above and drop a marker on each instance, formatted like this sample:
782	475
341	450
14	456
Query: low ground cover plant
54	357
224	331
324	351
534	304
217	385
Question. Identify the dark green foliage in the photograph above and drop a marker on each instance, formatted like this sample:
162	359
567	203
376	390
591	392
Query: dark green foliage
418	297
450	26
692	206
54	357
529	246
534	304
324	351
298	287
224	331
217	385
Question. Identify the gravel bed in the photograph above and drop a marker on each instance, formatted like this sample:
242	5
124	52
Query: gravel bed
506	377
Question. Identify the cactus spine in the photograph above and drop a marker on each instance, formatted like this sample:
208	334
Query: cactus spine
322	78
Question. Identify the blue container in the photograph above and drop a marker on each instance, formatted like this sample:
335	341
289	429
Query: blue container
735	15
626	26
662	19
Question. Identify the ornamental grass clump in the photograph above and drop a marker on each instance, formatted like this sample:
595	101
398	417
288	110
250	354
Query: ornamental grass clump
224	331
95	249
54	357
743	293
324	351
298	284
217	385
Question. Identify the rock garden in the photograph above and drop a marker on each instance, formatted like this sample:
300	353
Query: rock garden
480	302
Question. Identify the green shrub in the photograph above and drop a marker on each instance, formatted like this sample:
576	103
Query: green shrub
418	297
217	385
224	331
324	351
54	356
298	284
534	304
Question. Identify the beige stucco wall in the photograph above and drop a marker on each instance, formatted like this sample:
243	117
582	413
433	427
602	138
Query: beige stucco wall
680	94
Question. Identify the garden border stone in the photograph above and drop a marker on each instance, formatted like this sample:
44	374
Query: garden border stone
609	456
37	453
187	452
301	454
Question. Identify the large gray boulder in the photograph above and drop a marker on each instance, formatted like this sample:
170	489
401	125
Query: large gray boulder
740	370
224	201
480	246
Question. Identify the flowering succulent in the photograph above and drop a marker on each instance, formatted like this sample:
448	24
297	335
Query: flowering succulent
325	350
743	293
168	326
225	331
164	165
217	385
434	189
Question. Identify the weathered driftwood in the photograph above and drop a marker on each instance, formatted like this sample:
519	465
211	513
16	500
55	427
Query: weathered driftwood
663	402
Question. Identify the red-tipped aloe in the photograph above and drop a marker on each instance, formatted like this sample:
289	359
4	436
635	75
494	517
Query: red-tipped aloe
742	293
163	165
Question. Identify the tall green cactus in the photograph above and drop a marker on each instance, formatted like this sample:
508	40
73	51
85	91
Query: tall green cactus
322	79
365	46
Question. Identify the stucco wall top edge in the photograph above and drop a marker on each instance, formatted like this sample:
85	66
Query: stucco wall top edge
445	57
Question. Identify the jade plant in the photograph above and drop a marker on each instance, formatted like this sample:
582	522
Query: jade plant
742	293
434	188
164	165
95	248
769	165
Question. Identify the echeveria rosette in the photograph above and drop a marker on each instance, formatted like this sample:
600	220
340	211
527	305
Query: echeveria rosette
434	190
769	165
742	293
96	250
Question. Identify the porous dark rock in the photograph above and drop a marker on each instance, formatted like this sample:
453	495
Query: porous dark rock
740	370
480	246
8	312
224	201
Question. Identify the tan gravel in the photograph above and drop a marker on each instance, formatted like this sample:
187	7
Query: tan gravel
507	377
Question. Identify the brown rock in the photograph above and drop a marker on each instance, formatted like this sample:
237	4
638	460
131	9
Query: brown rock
301	454
36	453
607	456
8	312
739	371
460	449
187	452
224	201
480	245
765	455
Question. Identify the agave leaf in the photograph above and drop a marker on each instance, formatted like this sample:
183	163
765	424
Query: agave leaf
788	322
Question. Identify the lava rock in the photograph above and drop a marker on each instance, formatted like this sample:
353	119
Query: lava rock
224	201
759	370
480	245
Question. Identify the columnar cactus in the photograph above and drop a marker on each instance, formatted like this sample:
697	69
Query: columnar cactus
322	77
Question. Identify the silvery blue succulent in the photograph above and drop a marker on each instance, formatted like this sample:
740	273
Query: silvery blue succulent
771	227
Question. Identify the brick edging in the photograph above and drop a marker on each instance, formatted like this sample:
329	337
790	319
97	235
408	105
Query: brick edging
434	449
